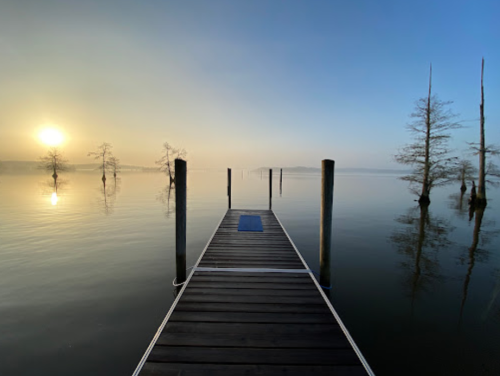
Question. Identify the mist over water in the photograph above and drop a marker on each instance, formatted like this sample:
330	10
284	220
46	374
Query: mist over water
87	269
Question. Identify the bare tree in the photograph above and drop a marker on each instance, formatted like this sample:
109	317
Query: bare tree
166	162
53	161
429	153
103	152
481	149
113	165
465	171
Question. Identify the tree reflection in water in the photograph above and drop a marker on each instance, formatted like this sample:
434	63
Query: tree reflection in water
476	252
107	197
420	238
167	198
459	204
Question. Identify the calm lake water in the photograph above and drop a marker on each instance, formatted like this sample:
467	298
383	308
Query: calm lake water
86	274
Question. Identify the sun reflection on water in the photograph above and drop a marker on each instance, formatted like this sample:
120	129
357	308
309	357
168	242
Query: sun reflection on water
54	198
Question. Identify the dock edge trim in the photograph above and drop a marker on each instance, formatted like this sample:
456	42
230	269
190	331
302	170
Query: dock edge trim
329	304
174	304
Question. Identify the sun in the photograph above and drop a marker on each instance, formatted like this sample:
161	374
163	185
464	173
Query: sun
51	137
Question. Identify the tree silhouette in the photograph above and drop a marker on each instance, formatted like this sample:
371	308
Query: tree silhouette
429	153
166	162
482	150
103	152
53	161
465	171
113	165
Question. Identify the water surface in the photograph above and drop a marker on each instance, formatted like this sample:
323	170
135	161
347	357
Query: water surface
86	272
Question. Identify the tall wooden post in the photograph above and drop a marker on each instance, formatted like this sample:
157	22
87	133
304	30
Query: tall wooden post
180	219
229	188
270	188
281	181
325	231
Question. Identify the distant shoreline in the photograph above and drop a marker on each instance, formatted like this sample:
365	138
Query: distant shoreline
315	170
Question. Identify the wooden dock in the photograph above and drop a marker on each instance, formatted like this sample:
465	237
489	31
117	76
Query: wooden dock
251	306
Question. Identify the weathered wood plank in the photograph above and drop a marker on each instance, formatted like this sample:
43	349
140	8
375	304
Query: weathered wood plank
251	275
286	262
255	253
305	341
242	292
258	299
292	318
263	257
284	279
253	250
200	369
250	285
250	307
275	329
250	355
250	264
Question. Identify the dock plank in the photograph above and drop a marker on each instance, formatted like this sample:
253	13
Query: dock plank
261	340
188	369
250	355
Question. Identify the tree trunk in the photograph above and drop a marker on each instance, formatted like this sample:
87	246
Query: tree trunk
481	189
424	196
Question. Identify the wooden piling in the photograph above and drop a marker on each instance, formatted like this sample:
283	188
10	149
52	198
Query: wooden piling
180	219
281	181
229	188
270	188
327	173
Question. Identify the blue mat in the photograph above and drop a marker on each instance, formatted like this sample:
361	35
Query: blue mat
250	223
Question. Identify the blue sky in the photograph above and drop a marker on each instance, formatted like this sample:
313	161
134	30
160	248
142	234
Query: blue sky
241	83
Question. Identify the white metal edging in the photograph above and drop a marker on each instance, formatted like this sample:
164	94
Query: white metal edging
174	304
251	270
329	304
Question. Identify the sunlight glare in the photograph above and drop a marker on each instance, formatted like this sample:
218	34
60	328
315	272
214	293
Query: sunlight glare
51	137
54	198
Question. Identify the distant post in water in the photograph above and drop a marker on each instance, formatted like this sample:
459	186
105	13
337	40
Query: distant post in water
180	219
229	188
325	231
281	181
270	188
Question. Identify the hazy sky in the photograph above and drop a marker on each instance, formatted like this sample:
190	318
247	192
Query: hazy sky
241	83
